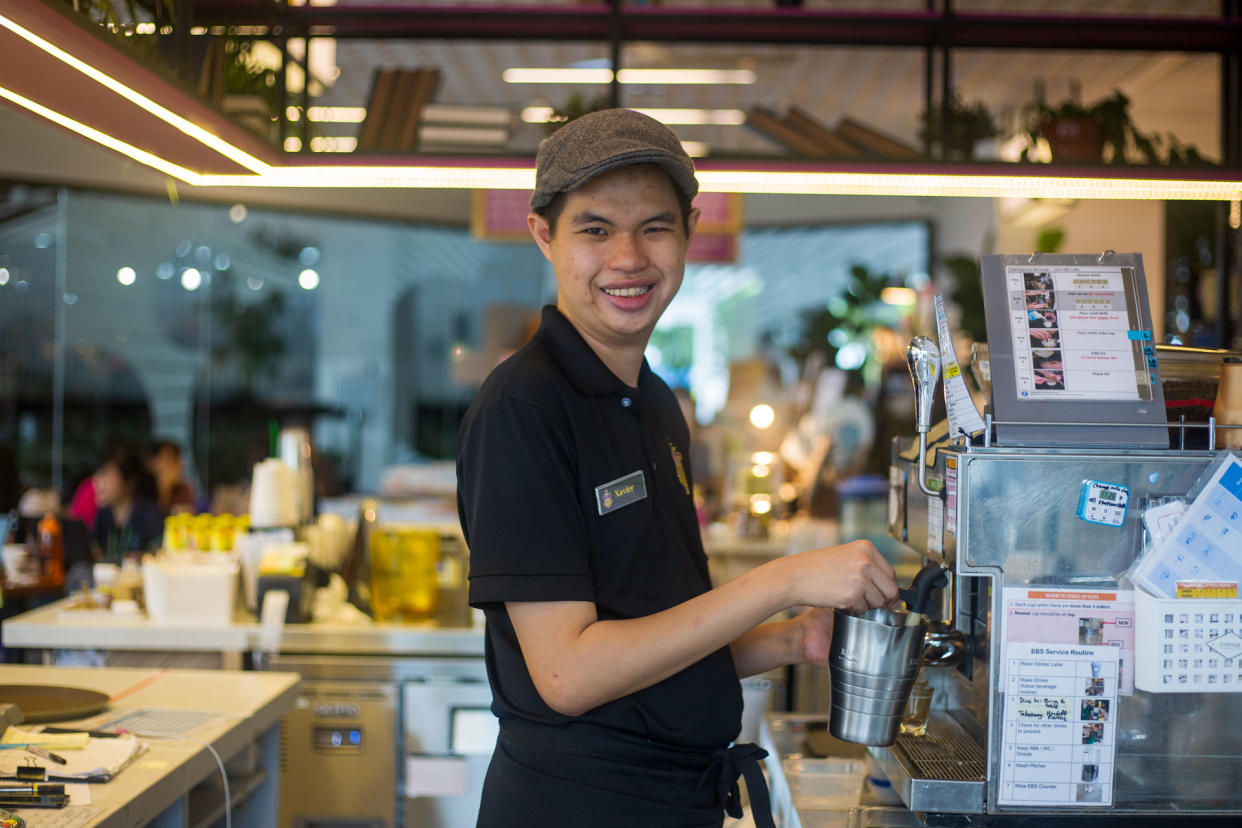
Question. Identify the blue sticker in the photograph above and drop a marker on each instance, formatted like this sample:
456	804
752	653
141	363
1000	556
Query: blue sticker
1142	335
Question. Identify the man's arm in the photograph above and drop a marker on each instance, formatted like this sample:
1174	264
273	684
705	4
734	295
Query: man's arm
578	662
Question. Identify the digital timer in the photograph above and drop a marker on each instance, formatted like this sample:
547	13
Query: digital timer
1103	503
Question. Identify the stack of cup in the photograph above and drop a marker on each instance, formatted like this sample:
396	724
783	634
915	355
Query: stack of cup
873	664
273	495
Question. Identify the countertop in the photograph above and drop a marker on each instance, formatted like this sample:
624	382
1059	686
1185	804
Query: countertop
251	704
54	627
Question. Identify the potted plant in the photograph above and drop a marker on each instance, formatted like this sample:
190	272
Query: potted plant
956	127
1078	134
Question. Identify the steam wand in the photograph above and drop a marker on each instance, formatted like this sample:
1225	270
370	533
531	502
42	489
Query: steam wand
923	359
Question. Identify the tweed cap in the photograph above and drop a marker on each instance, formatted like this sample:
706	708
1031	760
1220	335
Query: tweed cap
591	145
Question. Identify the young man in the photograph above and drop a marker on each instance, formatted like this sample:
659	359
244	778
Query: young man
614	665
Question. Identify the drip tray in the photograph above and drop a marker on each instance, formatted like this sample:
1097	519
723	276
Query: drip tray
942	771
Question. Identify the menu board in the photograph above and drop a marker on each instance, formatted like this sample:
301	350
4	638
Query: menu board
1072	357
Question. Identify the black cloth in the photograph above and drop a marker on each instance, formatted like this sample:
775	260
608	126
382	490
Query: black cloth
140	533
548	427
617	781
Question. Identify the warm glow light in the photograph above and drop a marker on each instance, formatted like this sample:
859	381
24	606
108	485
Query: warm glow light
126	276
647	76
688	76
308	279
571	75
761	471
970	186
762	416
1235	214
726	181
674	116
903	297
466	178
788	492
344	143
141	156
760	504
695	149
167	116
336	114
763	458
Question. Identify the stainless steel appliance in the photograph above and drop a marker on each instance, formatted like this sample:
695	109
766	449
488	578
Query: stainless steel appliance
1006	517
382	742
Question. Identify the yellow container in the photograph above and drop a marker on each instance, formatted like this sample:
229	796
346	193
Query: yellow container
404	586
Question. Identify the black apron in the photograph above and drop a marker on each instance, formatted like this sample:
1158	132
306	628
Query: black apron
577	776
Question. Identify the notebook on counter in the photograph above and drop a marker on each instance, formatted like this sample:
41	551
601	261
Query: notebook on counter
86	759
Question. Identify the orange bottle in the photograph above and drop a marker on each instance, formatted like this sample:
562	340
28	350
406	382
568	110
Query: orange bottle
52	548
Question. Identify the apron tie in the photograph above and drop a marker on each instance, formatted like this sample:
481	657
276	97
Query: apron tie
741	760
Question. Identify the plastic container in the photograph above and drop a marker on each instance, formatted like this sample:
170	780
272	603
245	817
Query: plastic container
189	592
824	784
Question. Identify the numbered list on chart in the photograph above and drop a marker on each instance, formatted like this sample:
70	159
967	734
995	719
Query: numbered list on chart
1060	725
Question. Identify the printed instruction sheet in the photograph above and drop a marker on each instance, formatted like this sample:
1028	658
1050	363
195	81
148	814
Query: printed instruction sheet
1074	616
1075	334
1059	744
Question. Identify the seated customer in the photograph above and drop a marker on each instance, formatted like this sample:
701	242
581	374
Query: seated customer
174	492
129	519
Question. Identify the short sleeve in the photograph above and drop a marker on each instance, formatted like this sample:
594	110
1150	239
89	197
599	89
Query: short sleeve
519	507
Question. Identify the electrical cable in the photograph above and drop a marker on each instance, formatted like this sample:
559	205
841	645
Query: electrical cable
224	777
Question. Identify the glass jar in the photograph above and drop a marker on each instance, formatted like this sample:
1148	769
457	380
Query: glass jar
404	583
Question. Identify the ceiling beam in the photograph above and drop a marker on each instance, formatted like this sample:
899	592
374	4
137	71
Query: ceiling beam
789	26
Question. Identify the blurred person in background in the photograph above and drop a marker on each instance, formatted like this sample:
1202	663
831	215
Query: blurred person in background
129	519
174	493
10	481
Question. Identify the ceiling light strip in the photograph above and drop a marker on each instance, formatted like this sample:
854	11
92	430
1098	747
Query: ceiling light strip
758	181
969	186
338	177
595	75
171	118
141	156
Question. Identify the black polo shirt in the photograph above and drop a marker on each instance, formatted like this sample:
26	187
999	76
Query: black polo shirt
555	451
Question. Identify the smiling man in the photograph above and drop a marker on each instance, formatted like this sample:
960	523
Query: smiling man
613	663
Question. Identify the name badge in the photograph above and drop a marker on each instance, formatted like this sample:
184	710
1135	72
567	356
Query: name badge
621	492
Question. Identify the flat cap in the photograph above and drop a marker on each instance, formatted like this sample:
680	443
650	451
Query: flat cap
589	146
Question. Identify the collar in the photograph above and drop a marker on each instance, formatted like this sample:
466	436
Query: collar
585	370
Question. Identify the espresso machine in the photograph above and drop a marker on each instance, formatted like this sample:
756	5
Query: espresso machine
1046	707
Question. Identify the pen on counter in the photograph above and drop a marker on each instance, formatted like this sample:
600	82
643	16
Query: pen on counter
98	734
47	754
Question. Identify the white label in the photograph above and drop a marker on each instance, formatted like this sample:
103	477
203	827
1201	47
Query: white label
963	416
1078	616
935	525
1059	744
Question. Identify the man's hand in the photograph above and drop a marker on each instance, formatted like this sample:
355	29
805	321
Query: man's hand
853	576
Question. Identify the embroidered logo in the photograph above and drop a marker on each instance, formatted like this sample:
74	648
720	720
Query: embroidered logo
606	499
681	469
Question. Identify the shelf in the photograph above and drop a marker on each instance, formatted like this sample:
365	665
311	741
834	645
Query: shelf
205	805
